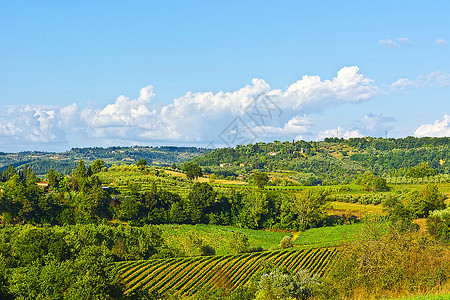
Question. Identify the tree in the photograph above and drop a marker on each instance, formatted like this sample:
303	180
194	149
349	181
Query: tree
141	163
201	199
310	206
421	203
54	178
260	179
419	171
192	170
372	183
96	167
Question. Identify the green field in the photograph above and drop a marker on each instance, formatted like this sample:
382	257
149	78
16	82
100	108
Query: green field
331	236
219	236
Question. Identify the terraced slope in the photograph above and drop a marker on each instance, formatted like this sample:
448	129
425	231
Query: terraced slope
186	276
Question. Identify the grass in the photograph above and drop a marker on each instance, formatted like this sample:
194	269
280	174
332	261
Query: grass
355	209
331	236
219	236
424	297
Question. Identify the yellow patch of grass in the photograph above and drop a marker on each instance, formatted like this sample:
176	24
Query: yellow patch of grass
354	209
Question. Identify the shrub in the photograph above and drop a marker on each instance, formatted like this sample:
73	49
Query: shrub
286	242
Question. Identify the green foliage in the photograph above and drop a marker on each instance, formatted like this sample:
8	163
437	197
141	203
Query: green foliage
54	178
422	170
392	264
438	225
239	243
96	167
192	170
284	285
193	245
260	179
310	206
142	162
372	183
422	202
286	242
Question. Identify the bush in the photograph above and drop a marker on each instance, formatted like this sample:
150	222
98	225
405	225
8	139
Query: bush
278	284
286	242
396	264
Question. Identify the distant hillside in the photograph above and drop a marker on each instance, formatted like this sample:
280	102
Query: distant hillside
65	162
333	159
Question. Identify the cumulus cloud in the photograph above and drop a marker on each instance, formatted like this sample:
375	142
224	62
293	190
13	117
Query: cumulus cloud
255	110
441	42
369	125
434	79
440	128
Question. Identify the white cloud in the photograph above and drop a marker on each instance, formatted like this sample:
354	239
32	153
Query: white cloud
401	83
441	42
394	43
194	117
434	79
388	43
440	128
339	133
374	122
404	40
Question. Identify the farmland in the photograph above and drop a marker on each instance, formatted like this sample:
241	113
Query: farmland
188	276
232	230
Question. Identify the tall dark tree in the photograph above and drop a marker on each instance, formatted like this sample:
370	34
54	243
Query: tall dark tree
260	179
192	170
201	199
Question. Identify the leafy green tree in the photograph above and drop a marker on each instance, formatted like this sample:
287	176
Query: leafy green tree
201	199
422	170
96	167
372	183
260	179
310	206
54	178
286	242
193	245
27	174
192	170
141	163
80	172
422	202
255	210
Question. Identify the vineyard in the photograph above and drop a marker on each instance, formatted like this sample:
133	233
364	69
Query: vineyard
187	276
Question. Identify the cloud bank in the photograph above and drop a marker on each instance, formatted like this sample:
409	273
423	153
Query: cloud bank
203	117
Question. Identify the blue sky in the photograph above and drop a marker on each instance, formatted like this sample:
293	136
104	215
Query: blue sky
210	73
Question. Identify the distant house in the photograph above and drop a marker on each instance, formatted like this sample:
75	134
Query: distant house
44	185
